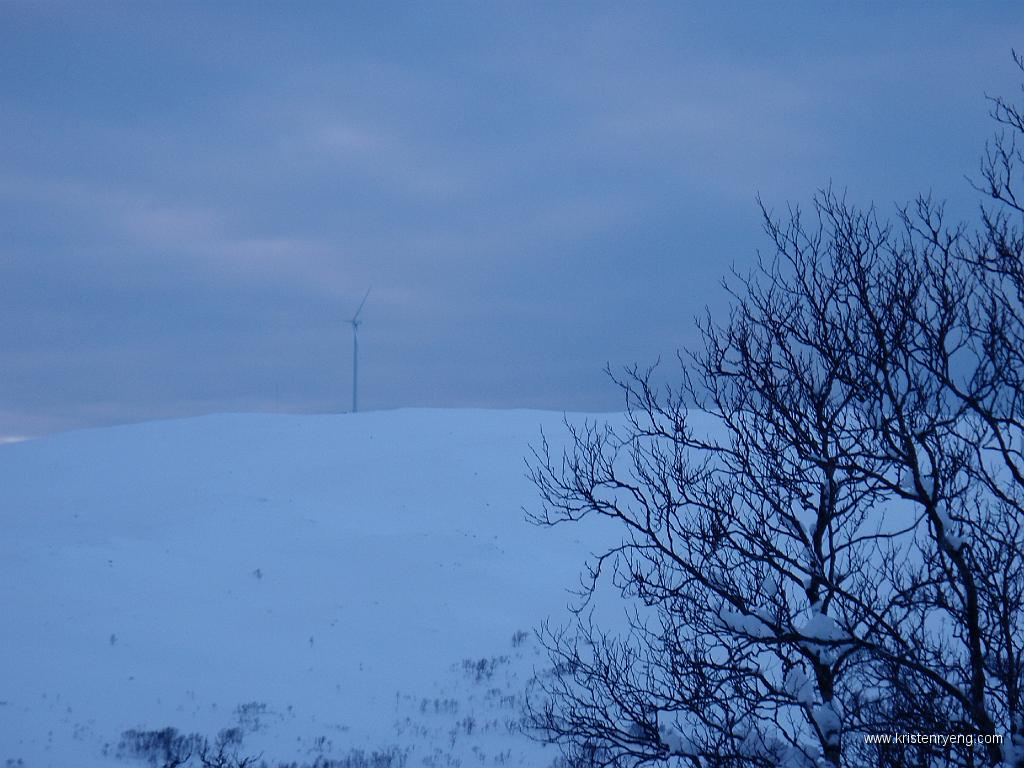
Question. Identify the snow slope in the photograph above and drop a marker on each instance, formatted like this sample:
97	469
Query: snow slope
324	583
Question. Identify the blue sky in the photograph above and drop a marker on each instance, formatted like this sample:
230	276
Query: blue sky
194	196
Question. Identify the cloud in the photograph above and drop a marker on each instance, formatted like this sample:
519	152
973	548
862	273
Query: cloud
192	201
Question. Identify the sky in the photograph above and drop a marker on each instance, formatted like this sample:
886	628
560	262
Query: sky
194	197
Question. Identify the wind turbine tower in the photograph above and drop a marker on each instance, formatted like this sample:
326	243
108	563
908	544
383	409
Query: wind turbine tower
355	321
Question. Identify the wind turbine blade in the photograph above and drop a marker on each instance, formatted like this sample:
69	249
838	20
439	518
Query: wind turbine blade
356	315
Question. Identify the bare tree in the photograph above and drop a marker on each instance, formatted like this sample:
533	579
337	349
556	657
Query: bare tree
822	524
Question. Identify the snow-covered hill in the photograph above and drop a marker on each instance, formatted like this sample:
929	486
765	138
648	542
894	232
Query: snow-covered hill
330	586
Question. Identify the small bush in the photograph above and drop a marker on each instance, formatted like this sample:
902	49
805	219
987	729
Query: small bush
482	669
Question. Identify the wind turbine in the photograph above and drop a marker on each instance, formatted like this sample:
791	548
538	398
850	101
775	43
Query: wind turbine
355	321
